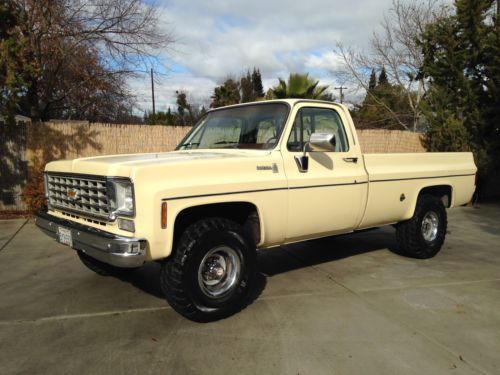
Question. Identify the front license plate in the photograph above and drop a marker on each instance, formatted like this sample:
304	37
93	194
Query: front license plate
64	236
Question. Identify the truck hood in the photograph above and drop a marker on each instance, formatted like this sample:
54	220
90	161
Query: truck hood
126	164
186	173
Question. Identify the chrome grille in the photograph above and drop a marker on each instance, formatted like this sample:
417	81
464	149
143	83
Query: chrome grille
85	195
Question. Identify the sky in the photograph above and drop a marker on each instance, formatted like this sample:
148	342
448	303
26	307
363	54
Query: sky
218	39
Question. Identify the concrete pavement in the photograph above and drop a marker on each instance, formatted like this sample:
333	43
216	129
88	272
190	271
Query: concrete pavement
344	305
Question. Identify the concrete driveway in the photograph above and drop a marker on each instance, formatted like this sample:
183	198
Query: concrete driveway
344	305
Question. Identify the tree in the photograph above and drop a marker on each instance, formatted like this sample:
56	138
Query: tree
160	118
396	48
382	78
371	114
187	113
258	88
71	57
15	64
226	94
445	132
251	88
299	86
246	88
461	63
373	80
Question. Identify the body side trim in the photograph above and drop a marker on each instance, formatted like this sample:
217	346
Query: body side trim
424	178
262	190
309	187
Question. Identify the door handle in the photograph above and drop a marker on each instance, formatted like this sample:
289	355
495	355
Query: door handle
351	160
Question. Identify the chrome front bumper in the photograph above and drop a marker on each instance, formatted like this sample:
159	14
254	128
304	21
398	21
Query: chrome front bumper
106	247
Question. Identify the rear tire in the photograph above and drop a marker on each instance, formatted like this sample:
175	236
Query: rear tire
423	235
211	272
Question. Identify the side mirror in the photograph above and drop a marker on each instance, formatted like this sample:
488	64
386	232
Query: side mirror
322	142
317	142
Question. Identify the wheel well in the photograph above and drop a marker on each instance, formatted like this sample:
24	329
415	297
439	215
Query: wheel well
441	191
243	213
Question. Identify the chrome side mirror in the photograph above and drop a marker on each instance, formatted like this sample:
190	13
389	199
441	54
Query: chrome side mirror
317	142
322	142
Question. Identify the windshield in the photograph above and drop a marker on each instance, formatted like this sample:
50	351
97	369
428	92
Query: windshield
255	126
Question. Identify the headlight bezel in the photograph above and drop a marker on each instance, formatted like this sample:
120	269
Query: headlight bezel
116	201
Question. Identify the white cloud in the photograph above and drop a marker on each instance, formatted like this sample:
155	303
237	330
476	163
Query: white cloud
223	38
327	61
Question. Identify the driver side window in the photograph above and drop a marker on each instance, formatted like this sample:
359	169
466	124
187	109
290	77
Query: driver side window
317	120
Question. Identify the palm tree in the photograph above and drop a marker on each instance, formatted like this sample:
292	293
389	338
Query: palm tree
299	86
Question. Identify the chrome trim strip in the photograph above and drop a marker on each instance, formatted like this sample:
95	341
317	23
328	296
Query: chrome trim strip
308	187
329	185
228	193
263	190
103	246
423	178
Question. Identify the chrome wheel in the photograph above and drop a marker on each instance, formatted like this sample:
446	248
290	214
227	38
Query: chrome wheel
219	271
430	226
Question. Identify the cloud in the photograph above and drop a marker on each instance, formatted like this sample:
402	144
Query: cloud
224	38
326	61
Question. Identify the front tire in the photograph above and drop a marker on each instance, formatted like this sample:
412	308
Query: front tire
423	235
210	273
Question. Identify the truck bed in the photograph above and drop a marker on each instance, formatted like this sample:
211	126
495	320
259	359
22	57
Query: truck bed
396	179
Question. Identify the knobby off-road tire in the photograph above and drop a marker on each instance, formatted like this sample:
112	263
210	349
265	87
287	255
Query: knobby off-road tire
101	268
211	271
423	235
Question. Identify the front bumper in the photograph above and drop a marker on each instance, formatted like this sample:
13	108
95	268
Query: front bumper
106	247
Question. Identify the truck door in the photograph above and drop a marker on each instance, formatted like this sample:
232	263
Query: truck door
331	195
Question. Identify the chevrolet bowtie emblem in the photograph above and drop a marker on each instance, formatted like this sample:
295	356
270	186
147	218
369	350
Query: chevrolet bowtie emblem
72	194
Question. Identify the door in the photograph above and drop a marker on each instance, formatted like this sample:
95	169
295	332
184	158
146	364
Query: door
330	196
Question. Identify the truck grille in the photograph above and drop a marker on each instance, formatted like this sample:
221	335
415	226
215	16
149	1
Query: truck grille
83	195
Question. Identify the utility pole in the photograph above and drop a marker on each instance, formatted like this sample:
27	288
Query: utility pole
341	88
153	91
498	16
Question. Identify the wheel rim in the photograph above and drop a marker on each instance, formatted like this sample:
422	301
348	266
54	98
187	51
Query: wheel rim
219	271
430	226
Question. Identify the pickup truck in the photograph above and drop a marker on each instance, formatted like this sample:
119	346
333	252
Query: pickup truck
246	177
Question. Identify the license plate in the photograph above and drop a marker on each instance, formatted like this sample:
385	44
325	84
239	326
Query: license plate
64	236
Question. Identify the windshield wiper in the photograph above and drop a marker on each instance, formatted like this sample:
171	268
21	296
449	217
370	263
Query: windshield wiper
191	144
224	142
232	143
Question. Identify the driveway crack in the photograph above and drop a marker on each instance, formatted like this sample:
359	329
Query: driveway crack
14	235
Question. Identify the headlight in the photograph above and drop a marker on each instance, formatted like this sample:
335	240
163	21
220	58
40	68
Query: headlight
121	197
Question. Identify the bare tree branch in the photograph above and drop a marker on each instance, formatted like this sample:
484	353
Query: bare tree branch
80	52
396	49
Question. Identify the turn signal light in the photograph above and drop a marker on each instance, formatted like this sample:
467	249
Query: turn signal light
163	215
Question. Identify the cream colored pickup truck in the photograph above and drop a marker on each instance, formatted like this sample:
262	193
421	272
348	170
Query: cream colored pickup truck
246	177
